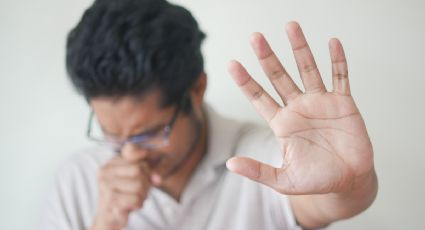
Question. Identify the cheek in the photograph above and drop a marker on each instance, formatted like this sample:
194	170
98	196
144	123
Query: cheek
181	143
182	136
181	140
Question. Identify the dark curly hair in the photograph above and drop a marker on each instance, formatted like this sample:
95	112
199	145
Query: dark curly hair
129	47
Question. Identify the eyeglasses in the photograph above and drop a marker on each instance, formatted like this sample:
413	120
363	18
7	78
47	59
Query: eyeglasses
151	140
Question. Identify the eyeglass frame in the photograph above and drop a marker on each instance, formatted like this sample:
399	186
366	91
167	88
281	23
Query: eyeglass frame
137	139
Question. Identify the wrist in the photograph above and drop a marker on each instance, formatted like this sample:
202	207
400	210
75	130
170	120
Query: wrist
359	197
319	210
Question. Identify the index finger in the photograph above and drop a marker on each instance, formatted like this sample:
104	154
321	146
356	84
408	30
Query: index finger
262	101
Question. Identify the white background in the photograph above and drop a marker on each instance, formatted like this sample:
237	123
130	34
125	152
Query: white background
42	120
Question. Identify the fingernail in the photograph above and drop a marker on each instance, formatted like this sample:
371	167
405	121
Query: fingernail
230	164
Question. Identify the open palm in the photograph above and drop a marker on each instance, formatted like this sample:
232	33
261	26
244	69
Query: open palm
322	135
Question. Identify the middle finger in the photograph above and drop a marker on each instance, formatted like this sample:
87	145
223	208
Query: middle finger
309	73
280	79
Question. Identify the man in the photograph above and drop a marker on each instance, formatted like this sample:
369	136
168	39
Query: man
163	161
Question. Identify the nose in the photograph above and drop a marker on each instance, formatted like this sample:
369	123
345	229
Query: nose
132	152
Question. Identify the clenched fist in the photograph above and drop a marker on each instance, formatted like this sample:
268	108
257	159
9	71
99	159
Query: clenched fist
124	183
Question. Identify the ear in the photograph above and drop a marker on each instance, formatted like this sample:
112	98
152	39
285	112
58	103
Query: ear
198	90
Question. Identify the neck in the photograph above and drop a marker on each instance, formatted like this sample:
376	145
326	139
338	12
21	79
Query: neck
175	184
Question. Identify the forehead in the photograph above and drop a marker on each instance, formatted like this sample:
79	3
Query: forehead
128	115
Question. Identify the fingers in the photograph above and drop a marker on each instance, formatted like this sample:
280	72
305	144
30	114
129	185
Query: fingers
130	178
123	187
126	202
309	73
114	211
126	170
281	81
130	186
261	100
339	68
276	178
254	170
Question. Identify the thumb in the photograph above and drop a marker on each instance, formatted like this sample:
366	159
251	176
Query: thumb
255	170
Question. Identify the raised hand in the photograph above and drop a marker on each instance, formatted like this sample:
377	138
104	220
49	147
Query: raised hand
323	138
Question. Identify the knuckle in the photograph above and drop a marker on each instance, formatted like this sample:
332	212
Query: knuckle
133	171
340	76
113	199
307	68
276	74
257	93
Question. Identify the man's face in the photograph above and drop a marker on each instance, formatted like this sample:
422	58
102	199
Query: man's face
128	116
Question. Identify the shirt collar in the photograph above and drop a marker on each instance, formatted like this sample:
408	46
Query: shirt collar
221	140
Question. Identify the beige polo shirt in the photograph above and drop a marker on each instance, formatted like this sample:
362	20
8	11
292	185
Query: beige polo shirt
214	198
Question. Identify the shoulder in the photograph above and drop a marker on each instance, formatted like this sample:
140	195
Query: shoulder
235	137
87	159
77	173
259	142
71	200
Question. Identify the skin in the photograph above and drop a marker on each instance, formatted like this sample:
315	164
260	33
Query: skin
328	169
125	180
328	156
